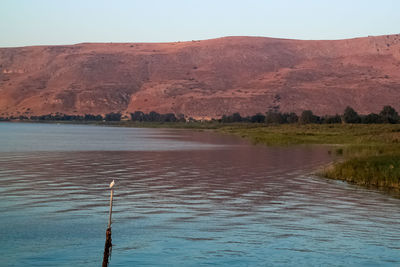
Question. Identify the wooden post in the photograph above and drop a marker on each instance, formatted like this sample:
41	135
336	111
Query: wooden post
107	248
111	203
108	244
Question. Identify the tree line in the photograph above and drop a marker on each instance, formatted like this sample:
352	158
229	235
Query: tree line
273	116
153	116
387	115
65	117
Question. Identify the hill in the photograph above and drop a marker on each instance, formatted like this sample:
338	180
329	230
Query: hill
202	79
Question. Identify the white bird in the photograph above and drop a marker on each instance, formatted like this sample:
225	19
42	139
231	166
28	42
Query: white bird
112	184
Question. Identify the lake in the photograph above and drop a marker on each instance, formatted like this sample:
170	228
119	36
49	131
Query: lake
182	198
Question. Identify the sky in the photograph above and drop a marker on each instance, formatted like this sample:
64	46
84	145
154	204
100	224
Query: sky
53	22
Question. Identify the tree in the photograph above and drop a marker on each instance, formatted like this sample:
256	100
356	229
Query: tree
154	116
351	116
91	117
290	117
137	116
236	117
307	116
389	115
274	117
258	118
180	117
169	117
225	119
372	118
332	119
113	116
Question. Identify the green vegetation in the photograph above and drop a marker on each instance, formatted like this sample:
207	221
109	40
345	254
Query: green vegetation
292	134
379	171
371	153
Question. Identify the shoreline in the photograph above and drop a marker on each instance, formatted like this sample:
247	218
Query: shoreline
370	153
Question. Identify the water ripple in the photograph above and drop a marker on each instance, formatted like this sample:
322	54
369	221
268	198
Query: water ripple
240	205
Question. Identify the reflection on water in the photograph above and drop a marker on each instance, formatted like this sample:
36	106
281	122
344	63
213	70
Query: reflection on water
190	199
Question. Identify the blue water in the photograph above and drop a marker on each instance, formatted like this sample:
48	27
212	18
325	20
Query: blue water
182	198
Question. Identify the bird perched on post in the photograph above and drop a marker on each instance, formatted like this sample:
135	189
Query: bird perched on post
112	184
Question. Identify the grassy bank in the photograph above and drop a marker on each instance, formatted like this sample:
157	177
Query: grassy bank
380	171
371	153
344	134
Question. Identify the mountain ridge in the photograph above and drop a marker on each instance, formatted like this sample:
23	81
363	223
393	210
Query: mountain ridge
202	78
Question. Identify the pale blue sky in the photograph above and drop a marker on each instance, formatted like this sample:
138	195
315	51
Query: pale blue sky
35	22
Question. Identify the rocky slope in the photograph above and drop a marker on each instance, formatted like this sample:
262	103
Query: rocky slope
202	78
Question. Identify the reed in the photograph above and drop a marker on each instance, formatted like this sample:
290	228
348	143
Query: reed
370	154
381	171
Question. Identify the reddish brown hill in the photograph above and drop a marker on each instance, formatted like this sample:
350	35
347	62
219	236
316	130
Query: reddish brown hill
203	78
